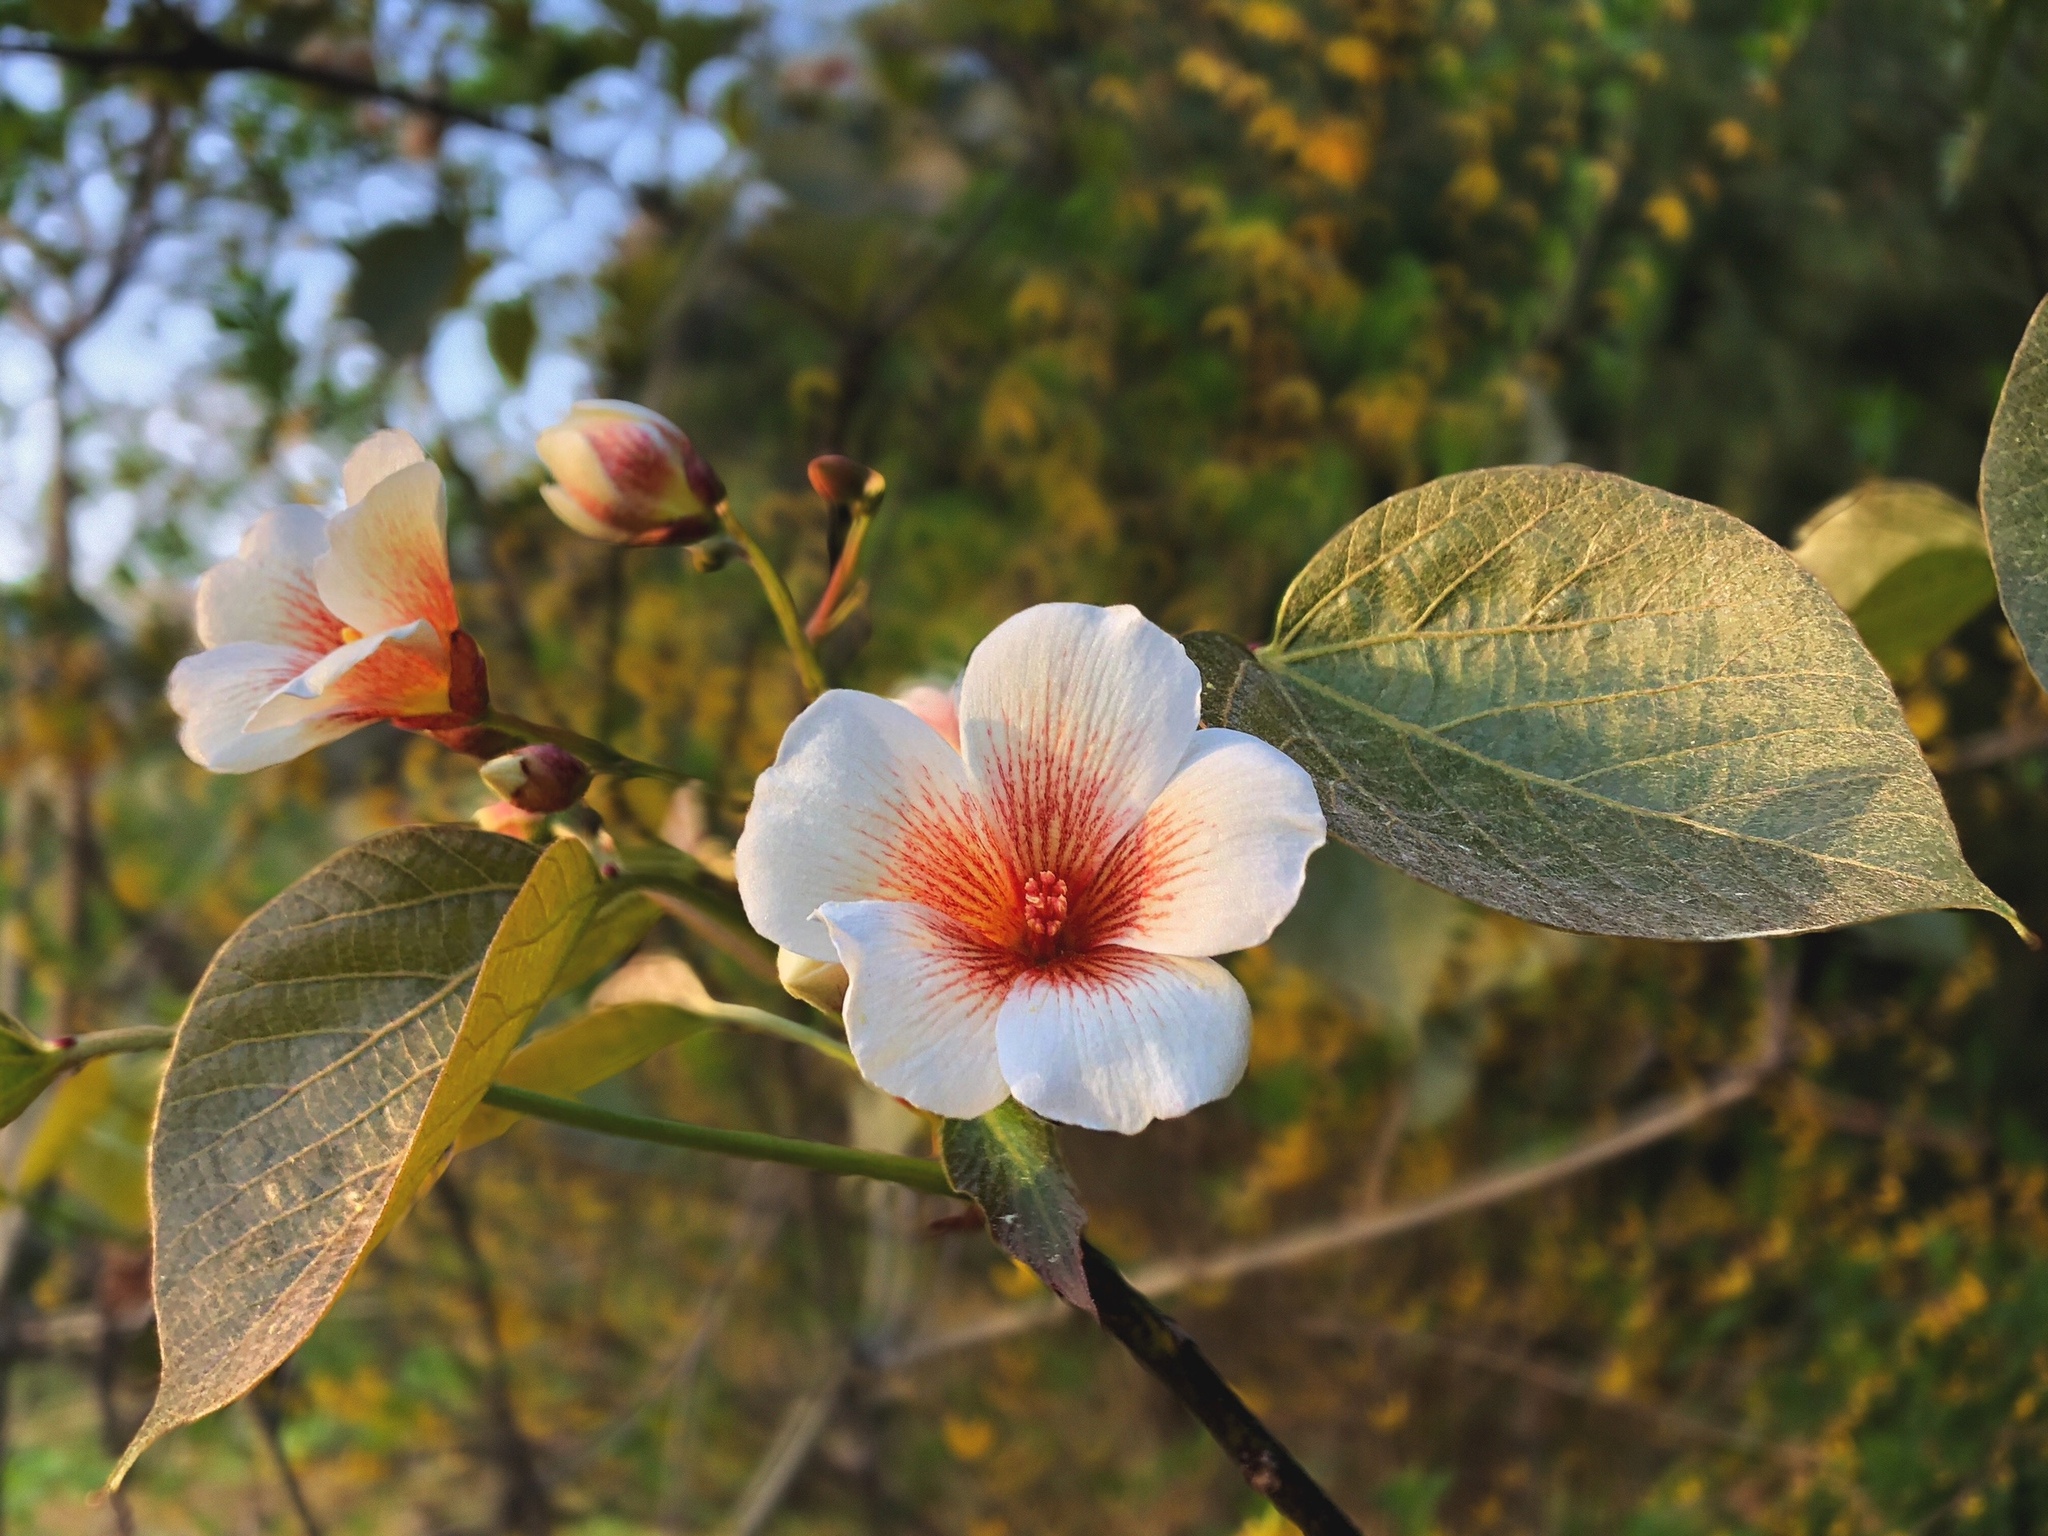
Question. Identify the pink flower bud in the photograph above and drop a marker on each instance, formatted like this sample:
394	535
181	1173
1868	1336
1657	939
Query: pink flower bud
541	778
507	820
628	475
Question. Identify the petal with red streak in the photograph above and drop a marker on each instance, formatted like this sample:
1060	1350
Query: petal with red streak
218	693
1218	860
265	592
1073	718
922	1000
865	802
1114	1039
402	671
387	557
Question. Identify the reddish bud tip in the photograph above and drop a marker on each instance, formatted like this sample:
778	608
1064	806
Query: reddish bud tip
541	778
841	481
702	479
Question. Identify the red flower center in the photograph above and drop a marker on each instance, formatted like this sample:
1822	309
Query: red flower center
1045	912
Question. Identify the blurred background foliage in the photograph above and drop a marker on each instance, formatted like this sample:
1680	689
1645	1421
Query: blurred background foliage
1132	300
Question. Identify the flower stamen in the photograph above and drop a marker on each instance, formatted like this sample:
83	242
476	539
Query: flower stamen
1045	911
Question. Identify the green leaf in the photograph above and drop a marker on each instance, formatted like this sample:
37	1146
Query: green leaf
406	275
580	1054
614	931
2014	491
331	1052
1008	1163
1598	706
1372	934
510	331
27	1067
1906	561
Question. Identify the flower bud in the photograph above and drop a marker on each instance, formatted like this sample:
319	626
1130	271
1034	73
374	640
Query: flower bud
628	475
541	778
821	983
844	482
507	820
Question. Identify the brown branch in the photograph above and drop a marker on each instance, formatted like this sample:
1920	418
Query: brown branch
1991	748
1159	1344
202	53
524	1504
1654	1123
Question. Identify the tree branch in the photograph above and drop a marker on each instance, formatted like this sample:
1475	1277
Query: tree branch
203	53
1158	1344
1654	1123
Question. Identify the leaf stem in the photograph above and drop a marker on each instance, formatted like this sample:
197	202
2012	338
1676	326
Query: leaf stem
918	1173
112	1042
1157	1343
777	591
596	755
762	1022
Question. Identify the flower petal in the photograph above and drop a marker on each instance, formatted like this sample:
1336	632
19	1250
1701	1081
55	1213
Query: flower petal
937	708
572	512
1113	1039
866	802
921	1004
1073	718
378	457
402	671
1218	860
219	691
387	556
265	593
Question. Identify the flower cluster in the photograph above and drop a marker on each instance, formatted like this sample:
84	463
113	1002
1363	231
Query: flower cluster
1013	889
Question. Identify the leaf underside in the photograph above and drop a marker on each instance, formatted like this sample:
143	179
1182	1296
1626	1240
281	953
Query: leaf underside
1008	1163
2014	491
1906	561
1598	706
327	1059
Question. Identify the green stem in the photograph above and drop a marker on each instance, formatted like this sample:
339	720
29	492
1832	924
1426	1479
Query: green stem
112	1042
918	1173
596	756
777	590
762	1022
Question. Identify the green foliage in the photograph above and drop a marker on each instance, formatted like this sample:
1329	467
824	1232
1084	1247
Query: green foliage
1906	561
27	1067
2015	493
406	276
1598	706
1008	1163
324	1067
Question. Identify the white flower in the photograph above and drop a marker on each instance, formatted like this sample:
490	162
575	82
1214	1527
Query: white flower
320	626
1031	914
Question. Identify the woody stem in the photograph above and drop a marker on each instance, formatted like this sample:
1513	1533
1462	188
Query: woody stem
777	592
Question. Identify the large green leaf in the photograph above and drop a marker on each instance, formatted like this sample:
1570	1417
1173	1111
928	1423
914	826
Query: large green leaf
2015	493
328	1058
1599	706
1906	561
1008	1163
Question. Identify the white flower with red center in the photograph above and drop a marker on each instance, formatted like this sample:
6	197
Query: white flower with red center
321	625
1032	912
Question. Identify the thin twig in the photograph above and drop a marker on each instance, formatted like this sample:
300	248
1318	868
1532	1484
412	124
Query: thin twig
1991	748
266	1407
798	1432
524	1504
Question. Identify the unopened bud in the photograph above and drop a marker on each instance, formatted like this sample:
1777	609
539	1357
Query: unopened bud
507	820
844	482
821	983
541	778
628	475
714	554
